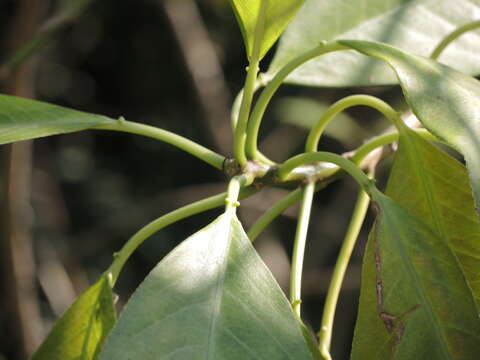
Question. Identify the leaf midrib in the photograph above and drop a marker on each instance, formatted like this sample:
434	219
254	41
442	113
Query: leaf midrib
420	289
418	163
218	297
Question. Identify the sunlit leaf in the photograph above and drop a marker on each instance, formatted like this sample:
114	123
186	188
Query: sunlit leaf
416	26
442	199
80	332
211	298
277	16
415	302
22	119
444	100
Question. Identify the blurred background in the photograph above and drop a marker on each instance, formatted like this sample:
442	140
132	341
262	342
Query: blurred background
70	201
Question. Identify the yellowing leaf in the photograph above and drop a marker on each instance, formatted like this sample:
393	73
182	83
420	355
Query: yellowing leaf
415	302
80	332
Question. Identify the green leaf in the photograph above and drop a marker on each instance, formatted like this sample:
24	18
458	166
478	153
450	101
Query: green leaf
22	119
444	100
211	298
413	25
277	16
415	302
80	332
442	199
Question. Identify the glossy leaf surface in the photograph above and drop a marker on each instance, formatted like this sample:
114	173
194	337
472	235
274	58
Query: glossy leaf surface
211	298
80	332
444	100
416	26
22	119
415	302
277	16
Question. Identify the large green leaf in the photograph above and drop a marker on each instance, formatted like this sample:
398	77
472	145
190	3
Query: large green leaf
413	25
22	119
80	332
444	100
442	199
211	298
415	302
277	16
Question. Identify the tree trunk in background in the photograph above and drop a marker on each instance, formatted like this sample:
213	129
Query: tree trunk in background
23	314
204	68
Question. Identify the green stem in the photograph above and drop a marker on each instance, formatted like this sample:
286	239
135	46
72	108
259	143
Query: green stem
361	153
180	142
240	134
237	103
299	247
271	88
270	215
139	237
453	36
307	158
385	139
241	125
325	334
279	207
339	106
234	186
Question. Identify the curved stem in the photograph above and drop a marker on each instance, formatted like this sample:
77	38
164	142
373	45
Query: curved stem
240	134
325	334
361	153
453	36
385	139
299	247
342	104
140	236
234	186
180	142
273	85
307	158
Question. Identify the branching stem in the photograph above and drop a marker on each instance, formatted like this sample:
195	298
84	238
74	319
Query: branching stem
359	155
307	158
